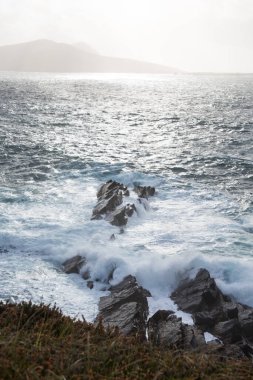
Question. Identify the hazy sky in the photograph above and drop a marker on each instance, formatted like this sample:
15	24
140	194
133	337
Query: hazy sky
193	35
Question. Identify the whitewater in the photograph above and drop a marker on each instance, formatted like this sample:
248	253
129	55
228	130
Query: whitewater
62	136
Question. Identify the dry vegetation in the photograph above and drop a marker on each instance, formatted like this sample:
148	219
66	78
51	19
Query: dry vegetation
38	342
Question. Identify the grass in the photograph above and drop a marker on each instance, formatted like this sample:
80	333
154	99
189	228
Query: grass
38	342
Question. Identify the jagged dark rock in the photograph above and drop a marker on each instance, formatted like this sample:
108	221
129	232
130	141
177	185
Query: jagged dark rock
110	197
215	312
74	264
107	204
144	191
228	331
245	317
90	284
193	337
86	274
146	292
126	307
198	295
166	329
110	186
119	217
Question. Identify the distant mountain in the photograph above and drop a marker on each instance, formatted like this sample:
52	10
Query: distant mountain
50	56
85	47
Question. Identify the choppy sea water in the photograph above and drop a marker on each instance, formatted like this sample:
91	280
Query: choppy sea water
61	136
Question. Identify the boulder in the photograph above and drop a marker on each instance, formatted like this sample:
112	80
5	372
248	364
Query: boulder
166	329
204	300
86	274
245	318
228	331
215	312
198	295
193	337
144	191
74	264
125	307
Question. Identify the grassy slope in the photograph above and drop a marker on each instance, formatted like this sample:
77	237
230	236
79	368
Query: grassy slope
37	342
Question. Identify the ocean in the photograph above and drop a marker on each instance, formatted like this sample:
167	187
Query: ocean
63	135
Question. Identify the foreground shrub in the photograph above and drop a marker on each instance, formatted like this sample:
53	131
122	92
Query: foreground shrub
38	342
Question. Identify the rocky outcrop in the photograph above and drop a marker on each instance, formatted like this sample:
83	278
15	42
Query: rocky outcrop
215	312
119	217
106	205
74	264
125	307
107	189
144	191
110	197
166	329
198	295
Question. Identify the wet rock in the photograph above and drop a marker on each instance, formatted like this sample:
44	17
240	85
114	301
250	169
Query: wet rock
203	299
86	274
144	191
198	295
166	329
146	292
126	307
228	331
230	310
74	264
106	205
130	209
107	188
204	319
215	312
245	318
90	284
119	217
110	196
193	337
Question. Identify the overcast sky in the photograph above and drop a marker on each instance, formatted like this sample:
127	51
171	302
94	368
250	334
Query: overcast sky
193	35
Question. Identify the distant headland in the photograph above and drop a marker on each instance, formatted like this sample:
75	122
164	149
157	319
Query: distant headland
50	56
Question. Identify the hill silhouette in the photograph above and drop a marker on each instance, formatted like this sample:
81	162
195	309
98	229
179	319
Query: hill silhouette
50	56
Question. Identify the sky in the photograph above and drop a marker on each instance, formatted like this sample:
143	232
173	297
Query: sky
192	35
